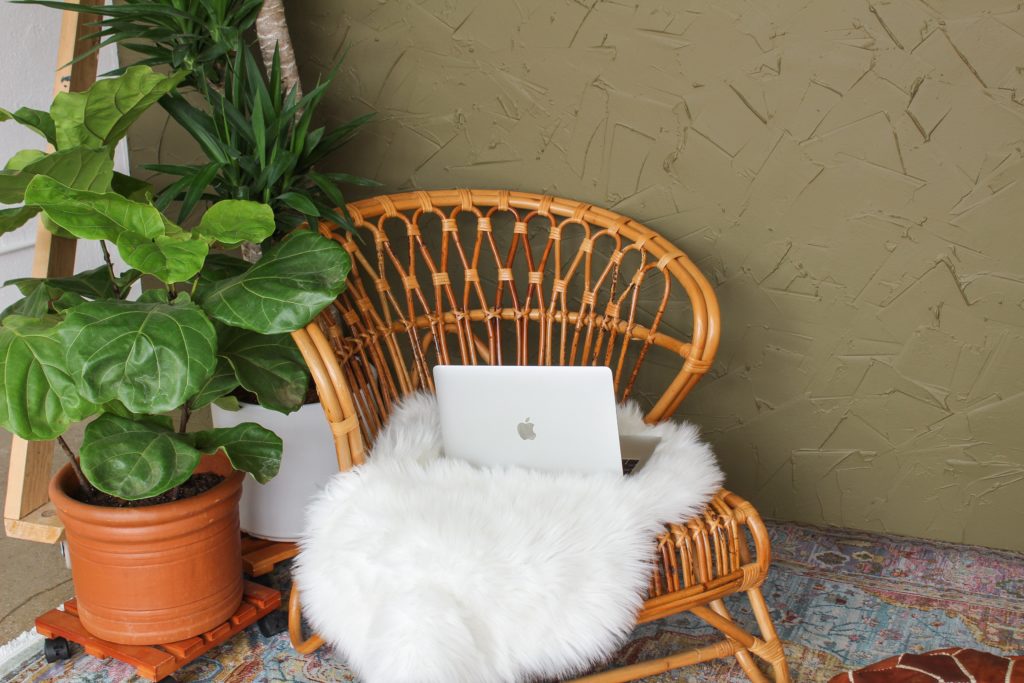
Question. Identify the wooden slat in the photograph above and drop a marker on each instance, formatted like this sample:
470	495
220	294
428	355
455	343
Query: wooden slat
245	613
217	633
261	596
184	649
30	464
149	661
251	544
260	560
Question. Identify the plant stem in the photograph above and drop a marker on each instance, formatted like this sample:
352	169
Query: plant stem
110	268
186	412
75	465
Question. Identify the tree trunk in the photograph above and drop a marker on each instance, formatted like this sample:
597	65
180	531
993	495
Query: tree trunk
272	31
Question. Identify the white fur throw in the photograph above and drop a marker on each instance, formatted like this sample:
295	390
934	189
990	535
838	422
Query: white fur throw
421	569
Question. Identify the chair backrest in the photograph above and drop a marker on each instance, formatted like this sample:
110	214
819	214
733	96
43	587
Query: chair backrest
501	277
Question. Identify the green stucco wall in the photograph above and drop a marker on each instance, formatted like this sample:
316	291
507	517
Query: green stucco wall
845	173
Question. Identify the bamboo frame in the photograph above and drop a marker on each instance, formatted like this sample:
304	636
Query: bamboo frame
429	285
28	513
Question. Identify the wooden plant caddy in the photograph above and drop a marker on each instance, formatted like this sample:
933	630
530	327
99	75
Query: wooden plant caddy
160	662
260	556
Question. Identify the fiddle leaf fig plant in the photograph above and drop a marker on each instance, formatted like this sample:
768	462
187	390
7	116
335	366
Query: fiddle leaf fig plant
86	346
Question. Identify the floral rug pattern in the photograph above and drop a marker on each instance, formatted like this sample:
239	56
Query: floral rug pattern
840	599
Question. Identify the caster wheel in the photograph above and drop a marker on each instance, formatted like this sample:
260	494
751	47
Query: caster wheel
56	649
273	623
264	580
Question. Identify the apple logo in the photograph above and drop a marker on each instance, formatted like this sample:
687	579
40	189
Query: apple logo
525	430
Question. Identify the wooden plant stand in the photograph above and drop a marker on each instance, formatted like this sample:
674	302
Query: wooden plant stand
28	514
159	662
260	556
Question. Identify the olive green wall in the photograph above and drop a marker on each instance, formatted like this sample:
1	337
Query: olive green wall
845	172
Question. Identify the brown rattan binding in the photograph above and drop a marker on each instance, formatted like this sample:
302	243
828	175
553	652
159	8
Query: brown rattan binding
493	276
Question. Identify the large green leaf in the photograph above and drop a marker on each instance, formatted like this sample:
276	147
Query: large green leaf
92	284
12	219
93	215
38	396
171	258
12	186
135	459
232	221
220	266
34	305
219	384
149	356
268	365
79	168
101	115
289	286
250	448
131	188
34	119
23	158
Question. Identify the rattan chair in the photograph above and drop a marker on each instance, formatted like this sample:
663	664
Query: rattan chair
491	276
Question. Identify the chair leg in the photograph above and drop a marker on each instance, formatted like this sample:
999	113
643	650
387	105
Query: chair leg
743	656
772	651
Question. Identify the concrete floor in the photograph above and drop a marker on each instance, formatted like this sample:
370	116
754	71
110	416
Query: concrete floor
33	576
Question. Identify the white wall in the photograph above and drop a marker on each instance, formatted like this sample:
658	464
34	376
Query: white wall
28	59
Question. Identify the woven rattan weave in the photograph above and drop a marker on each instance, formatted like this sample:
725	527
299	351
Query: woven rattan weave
493	276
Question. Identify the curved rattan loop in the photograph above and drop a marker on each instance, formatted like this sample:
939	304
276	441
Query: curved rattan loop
495	276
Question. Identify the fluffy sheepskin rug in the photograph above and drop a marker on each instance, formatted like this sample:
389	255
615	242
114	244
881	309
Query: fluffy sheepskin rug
422	569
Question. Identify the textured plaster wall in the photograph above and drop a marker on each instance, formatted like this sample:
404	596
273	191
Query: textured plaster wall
845	172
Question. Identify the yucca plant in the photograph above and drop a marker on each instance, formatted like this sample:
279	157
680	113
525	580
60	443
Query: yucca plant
258	136
262	145
195	36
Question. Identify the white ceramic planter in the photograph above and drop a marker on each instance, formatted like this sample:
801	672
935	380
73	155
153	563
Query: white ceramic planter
276	510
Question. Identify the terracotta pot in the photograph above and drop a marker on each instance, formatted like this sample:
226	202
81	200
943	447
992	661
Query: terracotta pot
155	574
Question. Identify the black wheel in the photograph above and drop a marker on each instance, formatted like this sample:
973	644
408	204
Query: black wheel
56	649
263	580
168	679
273	623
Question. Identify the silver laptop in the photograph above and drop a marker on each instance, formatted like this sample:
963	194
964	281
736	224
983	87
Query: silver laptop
545	418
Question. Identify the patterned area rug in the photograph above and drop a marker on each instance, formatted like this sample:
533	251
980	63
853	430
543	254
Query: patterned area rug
840	599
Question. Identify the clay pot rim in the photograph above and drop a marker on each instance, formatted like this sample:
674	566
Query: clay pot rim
64	480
